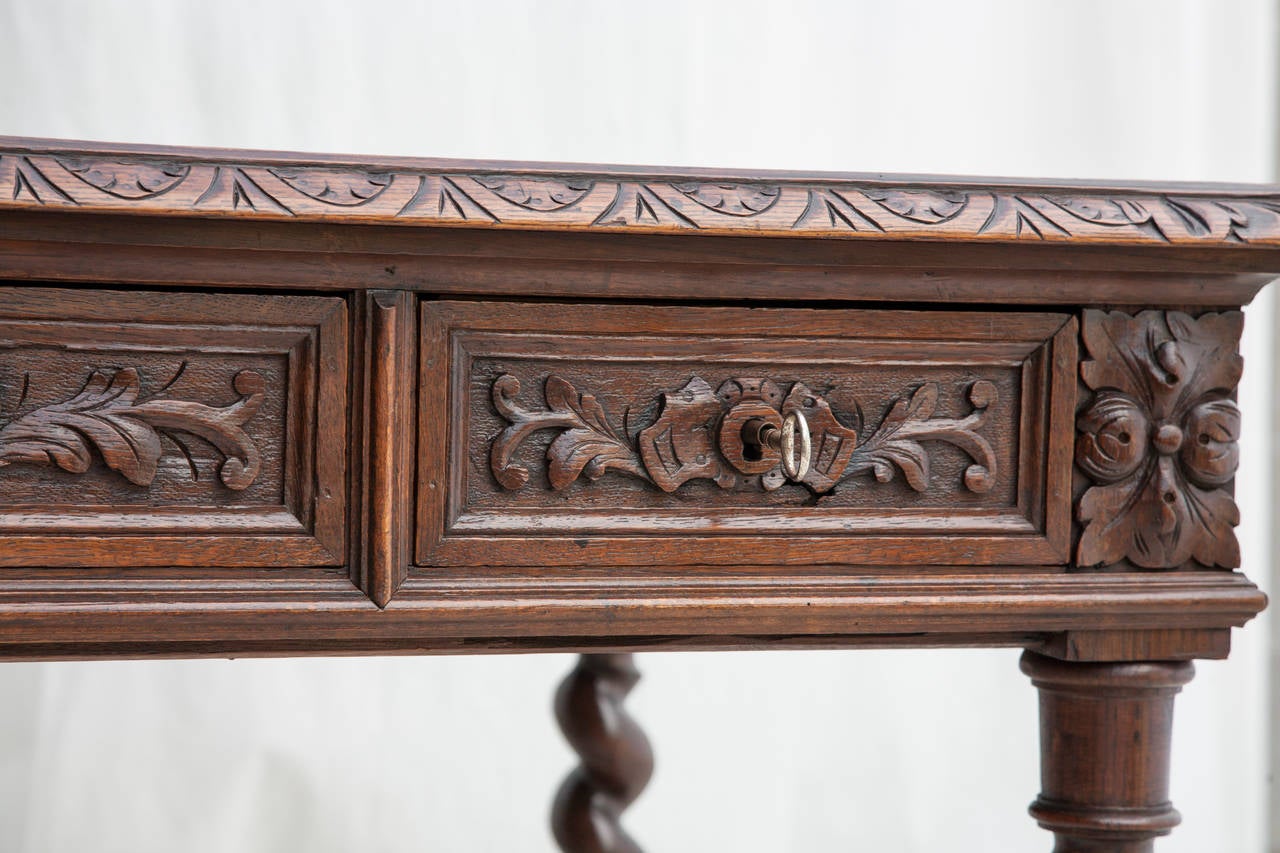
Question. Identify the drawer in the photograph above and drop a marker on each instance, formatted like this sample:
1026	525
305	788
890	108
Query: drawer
174	429
603	435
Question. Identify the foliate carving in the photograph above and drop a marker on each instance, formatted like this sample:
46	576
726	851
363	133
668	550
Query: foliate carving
698	434
1159	439
731	199
896	442
846	207
925	207
543	195
126	180
107	416
588	444
335	186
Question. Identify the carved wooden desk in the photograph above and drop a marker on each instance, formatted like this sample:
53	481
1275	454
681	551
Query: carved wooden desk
281	404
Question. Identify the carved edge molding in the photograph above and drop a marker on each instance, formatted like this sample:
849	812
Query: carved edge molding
1159	439
106	415
506	195
696	436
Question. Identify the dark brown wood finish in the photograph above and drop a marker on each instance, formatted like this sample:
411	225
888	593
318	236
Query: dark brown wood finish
266	404
617	760
171	429
955	435
1160	439
313	255
387	435
1105	735
41	174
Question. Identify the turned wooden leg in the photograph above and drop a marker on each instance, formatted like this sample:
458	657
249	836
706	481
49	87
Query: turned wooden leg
1104	752
616	759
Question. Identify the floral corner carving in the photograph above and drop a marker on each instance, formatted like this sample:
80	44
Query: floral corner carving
695	436
1159	439
107	416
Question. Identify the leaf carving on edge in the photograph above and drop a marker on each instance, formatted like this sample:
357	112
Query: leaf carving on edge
334	186
926	207
1158	520
544	195
731	199
1103	211
132	180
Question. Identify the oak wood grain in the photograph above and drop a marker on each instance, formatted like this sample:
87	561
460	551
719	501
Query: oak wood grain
55	173
711	606
526	415
1160	439
1106	730
955	436
171	429
166	251
387	427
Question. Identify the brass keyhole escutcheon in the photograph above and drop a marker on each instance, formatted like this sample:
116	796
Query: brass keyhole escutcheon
740	440
782	440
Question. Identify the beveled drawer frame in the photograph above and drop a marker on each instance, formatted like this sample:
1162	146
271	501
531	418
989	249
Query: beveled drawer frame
308	529
1041	346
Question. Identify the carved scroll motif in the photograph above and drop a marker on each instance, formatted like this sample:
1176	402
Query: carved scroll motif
696	437
873	208
1159	439
107	416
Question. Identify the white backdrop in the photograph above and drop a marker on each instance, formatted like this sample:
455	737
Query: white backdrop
758	753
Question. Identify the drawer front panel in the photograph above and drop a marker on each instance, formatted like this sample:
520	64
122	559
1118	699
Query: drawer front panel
595	435
171	429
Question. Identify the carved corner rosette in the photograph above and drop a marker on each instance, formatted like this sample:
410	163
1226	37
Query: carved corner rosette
107	416
698	434
1159	439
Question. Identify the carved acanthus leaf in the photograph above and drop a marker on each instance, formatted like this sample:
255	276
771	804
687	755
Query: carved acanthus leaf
1159	439
896	442
589	445
107	416
697	435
